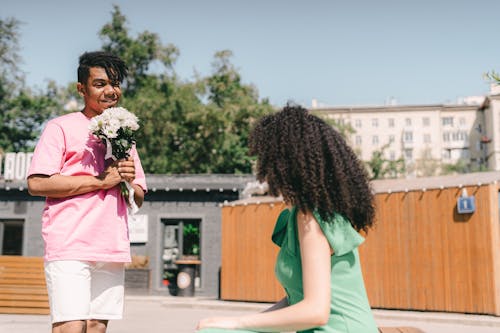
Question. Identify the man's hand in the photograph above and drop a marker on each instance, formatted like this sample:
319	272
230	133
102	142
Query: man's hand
126	169
110	177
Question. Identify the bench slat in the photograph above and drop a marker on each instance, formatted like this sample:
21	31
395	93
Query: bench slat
18	275
13	281
22	310
23	297
24	304
22	285
29	290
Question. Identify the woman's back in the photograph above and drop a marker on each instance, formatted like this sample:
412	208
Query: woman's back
350	311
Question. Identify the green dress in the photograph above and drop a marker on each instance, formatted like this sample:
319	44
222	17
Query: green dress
349	310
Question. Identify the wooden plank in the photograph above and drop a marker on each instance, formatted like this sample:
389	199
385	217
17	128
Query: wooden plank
20	276
23	304
24	310
29	290
23	297
17	275
13	281
20	260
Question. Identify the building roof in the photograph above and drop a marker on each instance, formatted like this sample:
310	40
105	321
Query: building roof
398	108
437	182
192	182
403	185
238	182
198	182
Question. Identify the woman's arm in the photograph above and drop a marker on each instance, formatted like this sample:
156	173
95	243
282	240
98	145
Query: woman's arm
314	309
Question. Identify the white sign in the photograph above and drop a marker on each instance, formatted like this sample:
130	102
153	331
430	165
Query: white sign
138	228
15	165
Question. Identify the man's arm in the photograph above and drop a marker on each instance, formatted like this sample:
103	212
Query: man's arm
59	186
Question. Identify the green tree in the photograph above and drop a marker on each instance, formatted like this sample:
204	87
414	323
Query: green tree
186	127
236	106
138	53
461	166
380	167
492	76
22	111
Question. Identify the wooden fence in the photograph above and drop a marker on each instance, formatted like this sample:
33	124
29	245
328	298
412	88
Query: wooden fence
248	255
422	254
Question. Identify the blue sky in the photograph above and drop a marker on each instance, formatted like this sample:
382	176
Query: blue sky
338	52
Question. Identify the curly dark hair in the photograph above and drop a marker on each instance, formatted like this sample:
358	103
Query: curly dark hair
115	67
309	163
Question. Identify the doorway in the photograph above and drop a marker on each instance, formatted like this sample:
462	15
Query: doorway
11	237
181	241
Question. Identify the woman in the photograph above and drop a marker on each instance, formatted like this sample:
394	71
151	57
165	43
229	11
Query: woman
309	164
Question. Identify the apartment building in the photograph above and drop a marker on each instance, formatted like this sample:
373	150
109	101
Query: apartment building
427	137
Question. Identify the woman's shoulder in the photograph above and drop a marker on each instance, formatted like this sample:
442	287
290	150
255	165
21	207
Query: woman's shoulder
339	232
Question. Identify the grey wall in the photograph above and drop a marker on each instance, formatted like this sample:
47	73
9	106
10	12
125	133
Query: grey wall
169	197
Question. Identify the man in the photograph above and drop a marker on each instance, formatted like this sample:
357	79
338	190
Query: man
84	223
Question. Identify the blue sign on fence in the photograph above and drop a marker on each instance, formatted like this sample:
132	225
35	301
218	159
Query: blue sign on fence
466	205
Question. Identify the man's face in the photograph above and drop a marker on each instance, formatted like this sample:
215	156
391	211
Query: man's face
99	93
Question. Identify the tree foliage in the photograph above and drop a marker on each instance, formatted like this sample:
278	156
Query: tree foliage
380	167
138	53
22	111
186	127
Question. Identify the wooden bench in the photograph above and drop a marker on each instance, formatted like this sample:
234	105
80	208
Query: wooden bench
399	330
22	285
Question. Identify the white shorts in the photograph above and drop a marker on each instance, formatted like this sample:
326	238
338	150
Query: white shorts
81	290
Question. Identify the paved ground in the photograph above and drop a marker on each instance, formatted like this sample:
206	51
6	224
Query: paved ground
155	314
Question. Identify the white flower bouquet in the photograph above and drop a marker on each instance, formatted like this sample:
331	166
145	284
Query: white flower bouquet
116	128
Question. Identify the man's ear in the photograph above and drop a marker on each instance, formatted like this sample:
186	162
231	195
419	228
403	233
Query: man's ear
80	88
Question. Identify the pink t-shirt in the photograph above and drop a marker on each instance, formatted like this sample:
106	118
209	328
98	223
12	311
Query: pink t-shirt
91	226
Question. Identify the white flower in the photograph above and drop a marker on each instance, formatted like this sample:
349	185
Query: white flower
107	125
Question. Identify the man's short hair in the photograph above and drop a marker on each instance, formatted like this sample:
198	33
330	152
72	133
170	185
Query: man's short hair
113	65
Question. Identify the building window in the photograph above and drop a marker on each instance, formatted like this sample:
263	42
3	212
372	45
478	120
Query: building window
408	136
391	138
426	121
392	155
427	138
446	154
359	141
465	153
447	121
375	140
408	122
408	154
463	136
391	122
446	136
11	237
358	123
374	122
462	121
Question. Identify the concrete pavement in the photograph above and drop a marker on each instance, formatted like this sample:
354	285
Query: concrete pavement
168	314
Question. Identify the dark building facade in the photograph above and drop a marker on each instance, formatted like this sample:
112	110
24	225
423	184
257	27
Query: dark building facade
180	220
